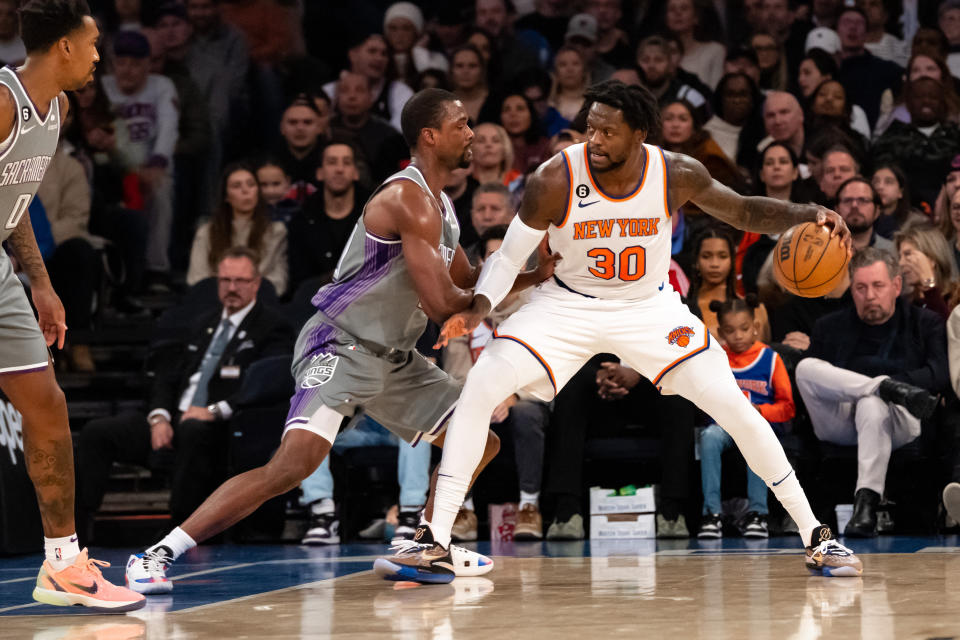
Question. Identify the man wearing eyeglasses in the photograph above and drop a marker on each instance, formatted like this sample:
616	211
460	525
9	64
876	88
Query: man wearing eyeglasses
192	397
859	206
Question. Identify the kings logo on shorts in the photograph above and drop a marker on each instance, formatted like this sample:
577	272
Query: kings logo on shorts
680	336
321	372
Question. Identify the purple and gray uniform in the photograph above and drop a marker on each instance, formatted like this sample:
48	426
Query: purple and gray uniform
24	158
357	352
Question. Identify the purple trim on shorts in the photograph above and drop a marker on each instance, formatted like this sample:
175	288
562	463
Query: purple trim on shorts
33	370
334	298
320	335
299	402
300	420
437	428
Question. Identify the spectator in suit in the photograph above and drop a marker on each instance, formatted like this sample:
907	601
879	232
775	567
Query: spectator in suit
195	383
869	376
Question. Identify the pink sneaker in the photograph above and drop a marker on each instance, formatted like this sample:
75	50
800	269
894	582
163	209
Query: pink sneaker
82	584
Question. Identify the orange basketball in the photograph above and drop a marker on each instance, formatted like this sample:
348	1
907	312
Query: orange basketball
808	262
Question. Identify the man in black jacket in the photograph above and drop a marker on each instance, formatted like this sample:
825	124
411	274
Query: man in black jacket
870	376
193	395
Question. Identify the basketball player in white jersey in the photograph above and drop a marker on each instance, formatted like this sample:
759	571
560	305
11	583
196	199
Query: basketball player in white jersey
606	207
61	42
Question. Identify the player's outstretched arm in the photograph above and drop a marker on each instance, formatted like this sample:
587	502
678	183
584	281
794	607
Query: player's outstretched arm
691	182
544	202
403	210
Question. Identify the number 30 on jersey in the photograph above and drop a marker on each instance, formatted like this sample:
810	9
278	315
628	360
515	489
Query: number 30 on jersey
629	266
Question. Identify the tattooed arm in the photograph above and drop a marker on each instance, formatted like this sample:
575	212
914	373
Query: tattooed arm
690	181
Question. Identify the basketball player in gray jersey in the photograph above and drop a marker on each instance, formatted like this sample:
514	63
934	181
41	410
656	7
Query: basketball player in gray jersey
401	266
61	42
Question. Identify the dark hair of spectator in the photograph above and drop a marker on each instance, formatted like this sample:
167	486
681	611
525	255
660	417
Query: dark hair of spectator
535	131
241	252
736	304
823	61
697	134
221	222
639	106
271	160
425	110
309	100
44	22
494	64
854	179
756	96
928	33
439	78
902	211
472	49
871	255
496	232
847	107
696	279
795	196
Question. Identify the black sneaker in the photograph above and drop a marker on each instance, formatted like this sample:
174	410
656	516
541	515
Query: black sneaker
754	525
710	527
407	523
324	529
419	560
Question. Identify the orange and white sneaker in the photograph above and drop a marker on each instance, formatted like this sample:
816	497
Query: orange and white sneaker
83	585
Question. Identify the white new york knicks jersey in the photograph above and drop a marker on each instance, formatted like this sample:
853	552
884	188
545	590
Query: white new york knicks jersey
614	246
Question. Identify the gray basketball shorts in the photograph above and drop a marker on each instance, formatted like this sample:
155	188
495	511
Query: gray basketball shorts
407	394
22	347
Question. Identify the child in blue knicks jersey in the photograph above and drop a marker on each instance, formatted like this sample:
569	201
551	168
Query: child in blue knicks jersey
762	377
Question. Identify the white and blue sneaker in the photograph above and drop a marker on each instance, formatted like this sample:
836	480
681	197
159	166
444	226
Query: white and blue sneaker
469	564
420	560
829	558
147	573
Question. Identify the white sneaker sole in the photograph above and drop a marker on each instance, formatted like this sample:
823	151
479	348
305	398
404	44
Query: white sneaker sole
63	599
149	588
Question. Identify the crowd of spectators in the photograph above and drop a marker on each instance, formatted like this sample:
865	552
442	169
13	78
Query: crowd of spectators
266	124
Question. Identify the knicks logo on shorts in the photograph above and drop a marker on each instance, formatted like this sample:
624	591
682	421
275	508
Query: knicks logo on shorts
321	372
680	336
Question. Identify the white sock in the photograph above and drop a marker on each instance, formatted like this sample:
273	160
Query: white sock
323	506
61	552
491	379
174	545
529	498
468	503
794	500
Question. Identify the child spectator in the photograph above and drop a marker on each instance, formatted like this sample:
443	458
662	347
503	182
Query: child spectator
763	379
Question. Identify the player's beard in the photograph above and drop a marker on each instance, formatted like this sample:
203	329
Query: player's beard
464	161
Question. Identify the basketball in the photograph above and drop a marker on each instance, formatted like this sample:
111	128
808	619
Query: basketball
807	262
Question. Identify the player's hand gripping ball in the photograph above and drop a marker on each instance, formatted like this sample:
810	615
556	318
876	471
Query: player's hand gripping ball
809	260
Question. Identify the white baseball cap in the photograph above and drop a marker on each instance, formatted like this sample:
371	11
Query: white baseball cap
823	38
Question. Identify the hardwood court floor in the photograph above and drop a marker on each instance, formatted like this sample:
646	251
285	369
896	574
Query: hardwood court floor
627	589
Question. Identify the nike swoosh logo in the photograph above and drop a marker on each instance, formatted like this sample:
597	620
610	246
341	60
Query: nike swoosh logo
27	129
777	483
445	565
660	288
582	205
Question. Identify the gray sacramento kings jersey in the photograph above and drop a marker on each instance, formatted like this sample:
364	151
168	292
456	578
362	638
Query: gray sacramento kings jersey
25	154
372	295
